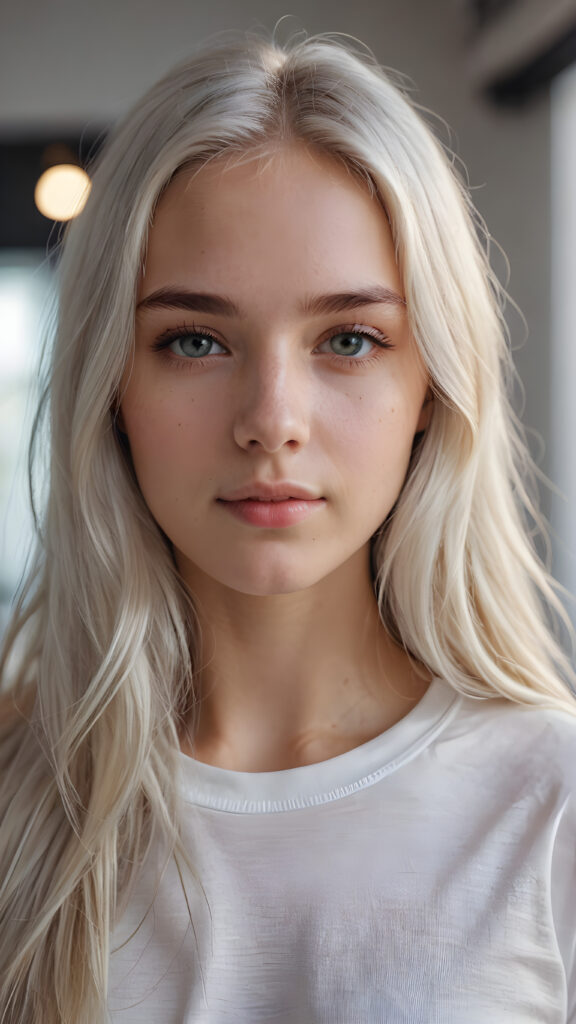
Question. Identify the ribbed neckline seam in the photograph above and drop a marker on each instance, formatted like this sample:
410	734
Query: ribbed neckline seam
222	789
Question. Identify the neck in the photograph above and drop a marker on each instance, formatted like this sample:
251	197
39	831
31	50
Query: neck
291	679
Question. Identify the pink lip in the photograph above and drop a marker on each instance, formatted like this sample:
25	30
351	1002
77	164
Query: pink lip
280	491
272	513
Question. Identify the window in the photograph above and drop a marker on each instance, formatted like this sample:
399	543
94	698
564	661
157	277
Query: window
26	292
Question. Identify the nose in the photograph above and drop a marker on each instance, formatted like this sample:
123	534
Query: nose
273	407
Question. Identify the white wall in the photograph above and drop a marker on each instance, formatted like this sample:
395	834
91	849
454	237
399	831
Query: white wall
73	62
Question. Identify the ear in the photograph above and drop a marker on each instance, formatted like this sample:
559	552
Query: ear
425	411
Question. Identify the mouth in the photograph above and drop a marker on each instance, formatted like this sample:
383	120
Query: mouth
271	491
286	497
272	512
268	501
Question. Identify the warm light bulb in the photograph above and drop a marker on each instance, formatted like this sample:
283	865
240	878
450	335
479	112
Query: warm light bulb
62	191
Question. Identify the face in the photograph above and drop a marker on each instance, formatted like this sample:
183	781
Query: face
272	346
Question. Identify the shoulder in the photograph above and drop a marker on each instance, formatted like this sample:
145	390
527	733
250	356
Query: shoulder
536	743
520	763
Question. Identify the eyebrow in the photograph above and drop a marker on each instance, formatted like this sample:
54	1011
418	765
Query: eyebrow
316	305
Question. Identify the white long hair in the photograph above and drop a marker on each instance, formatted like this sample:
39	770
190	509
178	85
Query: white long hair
104	645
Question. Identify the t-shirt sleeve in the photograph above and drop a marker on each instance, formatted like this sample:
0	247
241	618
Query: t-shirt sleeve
563	897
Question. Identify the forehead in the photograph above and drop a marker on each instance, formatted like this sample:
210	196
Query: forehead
291	214
289	165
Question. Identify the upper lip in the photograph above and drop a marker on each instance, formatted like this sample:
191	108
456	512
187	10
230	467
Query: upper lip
271	492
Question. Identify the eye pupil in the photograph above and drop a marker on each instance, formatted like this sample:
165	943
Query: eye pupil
192	343
348	340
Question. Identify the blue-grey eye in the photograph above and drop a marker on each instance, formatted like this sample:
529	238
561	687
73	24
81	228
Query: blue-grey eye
348	343
192	344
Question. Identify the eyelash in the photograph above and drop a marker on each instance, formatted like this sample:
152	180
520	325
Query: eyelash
164	340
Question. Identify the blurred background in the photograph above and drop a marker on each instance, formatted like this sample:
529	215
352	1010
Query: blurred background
501	74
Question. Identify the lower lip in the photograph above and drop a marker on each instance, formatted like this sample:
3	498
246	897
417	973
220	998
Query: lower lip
273	513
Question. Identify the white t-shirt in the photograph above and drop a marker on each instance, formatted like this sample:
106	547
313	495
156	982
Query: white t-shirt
425	877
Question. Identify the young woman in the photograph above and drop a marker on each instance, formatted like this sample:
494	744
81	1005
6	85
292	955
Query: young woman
287	734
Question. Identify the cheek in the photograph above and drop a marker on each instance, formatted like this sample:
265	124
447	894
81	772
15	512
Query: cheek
377	447
170	438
